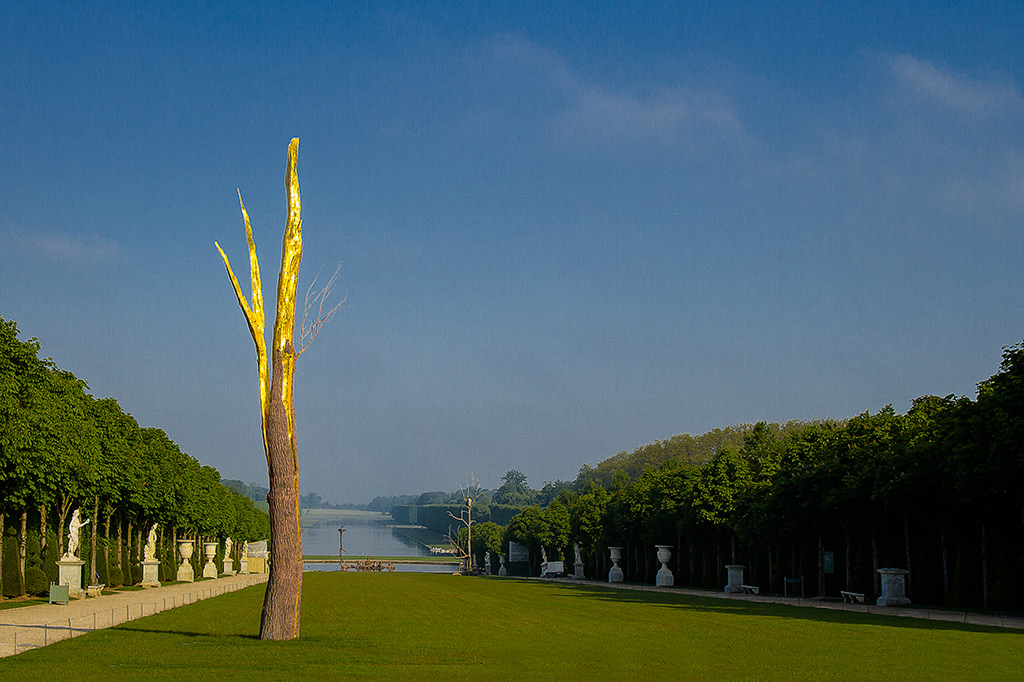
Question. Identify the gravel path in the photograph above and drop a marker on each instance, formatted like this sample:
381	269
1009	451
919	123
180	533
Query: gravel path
970	618
30	627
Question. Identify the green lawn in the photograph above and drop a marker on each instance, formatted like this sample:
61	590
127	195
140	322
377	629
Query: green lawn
395	626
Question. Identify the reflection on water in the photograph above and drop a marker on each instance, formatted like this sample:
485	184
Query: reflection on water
365	535
399	568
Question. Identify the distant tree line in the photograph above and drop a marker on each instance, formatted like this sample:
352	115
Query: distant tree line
938	490
62	449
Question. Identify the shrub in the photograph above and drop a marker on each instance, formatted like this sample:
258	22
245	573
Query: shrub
36	582
114	576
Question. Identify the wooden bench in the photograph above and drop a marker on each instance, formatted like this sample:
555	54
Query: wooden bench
94	590
750	589
852	597
60	594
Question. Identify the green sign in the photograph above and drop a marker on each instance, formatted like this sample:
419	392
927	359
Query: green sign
829	561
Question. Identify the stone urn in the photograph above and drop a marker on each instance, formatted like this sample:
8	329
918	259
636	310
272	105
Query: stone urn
664	577
210	568
615	574
185	572
501	569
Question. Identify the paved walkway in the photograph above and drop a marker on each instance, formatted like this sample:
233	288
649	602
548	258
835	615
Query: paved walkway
967	617
30	627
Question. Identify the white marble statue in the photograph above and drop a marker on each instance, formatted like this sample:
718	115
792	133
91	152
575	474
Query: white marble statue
576	549
227	547
245	549
149	552
544	554
74	534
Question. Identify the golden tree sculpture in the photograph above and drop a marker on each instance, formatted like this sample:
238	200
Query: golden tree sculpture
282	604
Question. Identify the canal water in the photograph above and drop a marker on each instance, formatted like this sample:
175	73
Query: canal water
365	535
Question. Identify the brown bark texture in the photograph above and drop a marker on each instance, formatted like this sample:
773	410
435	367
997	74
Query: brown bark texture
281	606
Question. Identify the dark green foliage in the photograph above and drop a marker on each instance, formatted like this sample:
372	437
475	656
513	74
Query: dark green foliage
36	582
114	576
10	564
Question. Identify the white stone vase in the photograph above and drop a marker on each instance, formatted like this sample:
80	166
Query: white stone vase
615	574
185	572
501	569
664	577
210	568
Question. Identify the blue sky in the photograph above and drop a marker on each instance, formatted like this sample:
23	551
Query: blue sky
566	229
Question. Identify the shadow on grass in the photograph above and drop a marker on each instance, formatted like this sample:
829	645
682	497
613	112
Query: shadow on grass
672	600
186	633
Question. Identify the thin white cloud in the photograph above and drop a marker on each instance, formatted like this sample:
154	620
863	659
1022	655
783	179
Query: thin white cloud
64	247
958	92
595	112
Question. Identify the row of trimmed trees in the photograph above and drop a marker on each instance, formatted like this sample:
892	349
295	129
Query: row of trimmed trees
938	490
61	449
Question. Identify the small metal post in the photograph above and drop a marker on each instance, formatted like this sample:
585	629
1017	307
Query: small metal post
71	633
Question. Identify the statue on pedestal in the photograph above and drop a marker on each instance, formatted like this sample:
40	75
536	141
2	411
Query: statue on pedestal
74	534
149	552
227	548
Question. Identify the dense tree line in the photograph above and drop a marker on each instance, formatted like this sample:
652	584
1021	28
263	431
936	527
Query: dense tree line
938	490
62	449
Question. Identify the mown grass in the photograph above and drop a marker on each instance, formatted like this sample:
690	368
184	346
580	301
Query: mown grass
394	626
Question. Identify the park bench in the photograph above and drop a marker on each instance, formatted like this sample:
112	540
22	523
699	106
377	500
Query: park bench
750	589
94	590
60	594
852	597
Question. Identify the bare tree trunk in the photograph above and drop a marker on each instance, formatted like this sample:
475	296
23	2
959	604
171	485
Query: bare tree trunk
62	517
120	544
984	566
906	544
874	564
771	569
283	601
692	557
821	566
849	557
1	555
22	550
945	566
106	544
718	559
127	568
282	604
93	528
732	548
42	534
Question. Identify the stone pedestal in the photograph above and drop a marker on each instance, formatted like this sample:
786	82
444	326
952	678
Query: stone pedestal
185	572
229	566
210	568
615	574
664	577
578	570
894	588
501	569
735	578
151	573
243	565
69	571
